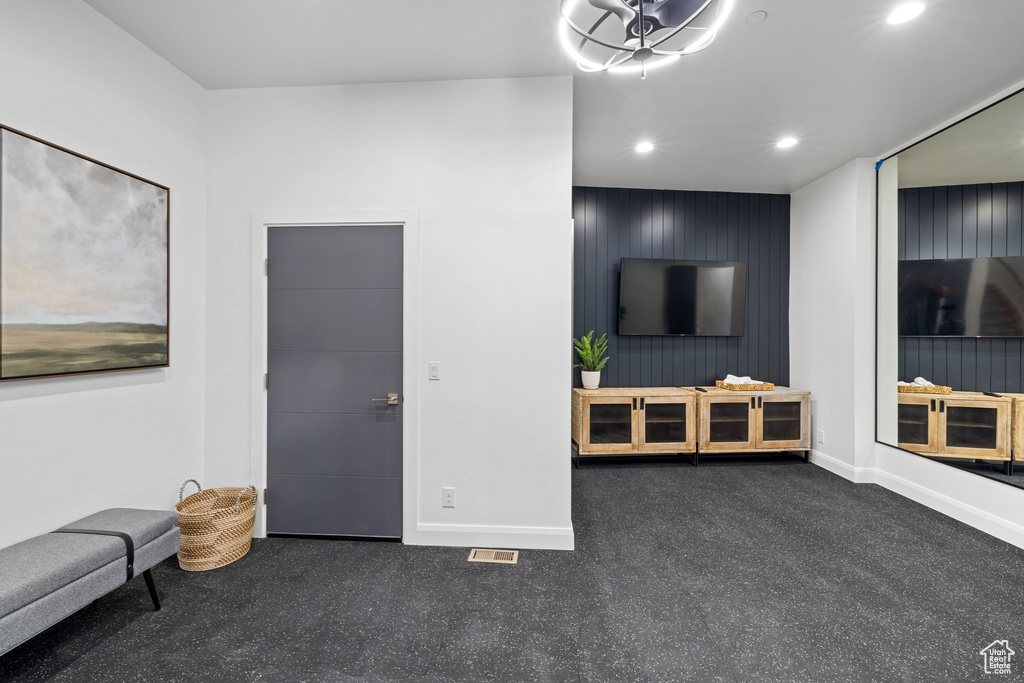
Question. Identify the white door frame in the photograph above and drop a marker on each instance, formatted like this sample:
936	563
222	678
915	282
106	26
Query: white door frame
410	222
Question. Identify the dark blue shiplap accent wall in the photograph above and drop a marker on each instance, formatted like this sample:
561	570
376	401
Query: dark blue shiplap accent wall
714	226
962	221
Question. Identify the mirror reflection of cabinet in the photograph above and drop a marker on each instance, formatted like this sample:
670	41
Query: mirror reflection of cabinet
958	425
630	421
1017	430
747	421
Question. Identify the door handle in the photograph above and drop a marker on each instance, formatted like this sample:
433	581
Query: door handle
392	399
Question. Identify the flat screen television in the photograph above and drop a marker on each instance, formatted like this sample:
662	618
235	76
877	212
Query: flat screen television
669	297
967	297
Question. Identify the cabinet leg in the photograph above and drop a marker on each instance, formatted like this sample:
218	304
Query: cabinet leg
807	456
1009	468
695	459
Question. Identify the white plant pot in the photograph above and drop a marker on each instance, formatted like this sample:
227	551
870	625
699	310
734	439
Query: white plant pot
591	380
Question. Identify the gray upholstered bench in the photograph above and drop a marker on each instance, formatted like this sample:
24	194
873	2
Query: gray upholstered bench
49	577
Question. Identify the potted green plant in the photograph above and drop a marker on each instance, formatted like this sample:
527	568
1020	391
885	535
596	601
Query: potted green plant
592	358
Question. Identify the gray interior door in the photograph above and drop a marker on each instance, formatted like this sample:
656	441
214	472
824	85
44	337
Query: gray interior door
334	324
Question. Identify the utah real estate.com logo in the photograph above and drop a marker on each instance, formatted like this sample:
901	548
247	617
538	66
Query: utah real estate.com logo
997	656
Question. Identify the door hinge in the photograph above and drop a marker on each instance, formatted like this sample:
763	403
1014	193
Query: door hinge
264	496
266	381
266	266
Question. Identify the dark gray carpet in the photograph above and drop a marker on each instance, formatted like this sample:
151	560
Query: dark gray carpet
739	570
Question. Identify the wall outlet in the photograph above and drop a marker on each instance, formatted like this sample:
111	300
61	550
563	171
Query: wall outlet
448	497
821	437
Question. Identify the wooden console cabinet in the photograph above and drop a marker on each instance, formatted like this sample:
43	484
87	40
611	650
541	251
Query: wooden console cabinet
963	424
754	421
630	421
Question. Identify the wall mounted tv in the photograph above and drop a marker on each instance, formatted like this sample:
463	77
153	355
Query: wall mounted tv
968	297
667	297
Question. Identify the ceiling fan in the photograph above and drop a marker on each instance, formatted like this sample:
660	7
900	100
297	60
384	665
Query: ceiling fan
635	35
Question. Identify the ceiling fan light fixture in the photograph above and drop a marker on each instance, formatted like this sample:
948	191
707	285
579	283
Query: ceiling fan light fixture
644	147
786	142
606	35
905	12
633	68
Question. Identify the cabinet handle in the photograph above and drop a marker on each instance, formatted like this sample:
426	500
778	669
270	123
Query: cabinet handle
641	403
933	405
753	402
760	402
634	403
942	406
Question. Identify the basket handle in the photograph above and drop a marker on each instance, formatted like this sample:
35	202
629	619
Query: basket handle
181	491
238	500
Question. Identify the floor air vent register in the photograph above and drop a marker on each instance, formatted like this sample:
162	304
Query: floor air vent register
495	556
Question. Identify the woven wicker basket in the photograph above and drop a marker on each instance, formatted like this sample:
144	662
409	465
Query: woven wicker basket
924	390
216	526
767	386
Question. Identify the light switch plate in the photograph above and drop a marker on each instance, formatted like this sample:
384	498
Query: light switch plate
434	370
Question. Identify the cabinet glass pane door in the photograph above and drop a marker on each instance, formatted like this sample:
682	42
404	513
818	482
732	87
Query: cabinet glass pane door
611	423
781	421
971	427
665	423
913	423
729	422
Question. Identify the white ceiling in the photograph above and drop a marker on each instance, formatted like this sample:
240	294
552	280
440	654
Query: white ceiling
830	72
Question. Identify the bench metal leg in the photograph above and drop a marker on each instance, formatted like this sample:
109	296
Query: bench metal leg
148	575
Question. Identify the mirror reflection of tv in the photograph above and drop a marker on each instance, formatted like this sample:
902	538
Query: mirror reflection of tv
969	297
671	297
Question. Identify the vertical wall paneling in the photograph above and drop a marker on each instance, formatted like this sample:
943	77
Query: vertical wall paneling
964	221
984	222
579	211
955	222
969	217
940	222
612	224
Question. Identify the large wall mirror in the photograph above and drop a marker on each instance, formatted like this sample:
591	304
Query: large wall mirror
951	295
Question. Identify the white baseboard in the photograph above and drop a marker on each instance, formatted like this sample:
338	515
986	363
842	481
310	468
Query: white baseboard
475	535
983	520
1003	529
859	475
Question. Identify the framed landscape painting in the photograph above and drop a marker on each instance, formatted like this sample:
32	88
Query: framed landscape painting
83	264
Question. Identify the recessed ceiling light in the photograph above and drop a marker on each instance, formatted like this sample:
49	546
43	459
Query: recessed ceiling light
785	142
644	147
757	17
905	12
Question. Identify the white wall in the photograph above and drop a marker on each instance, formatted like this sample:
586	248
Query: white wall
72	446
832	312
487	166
